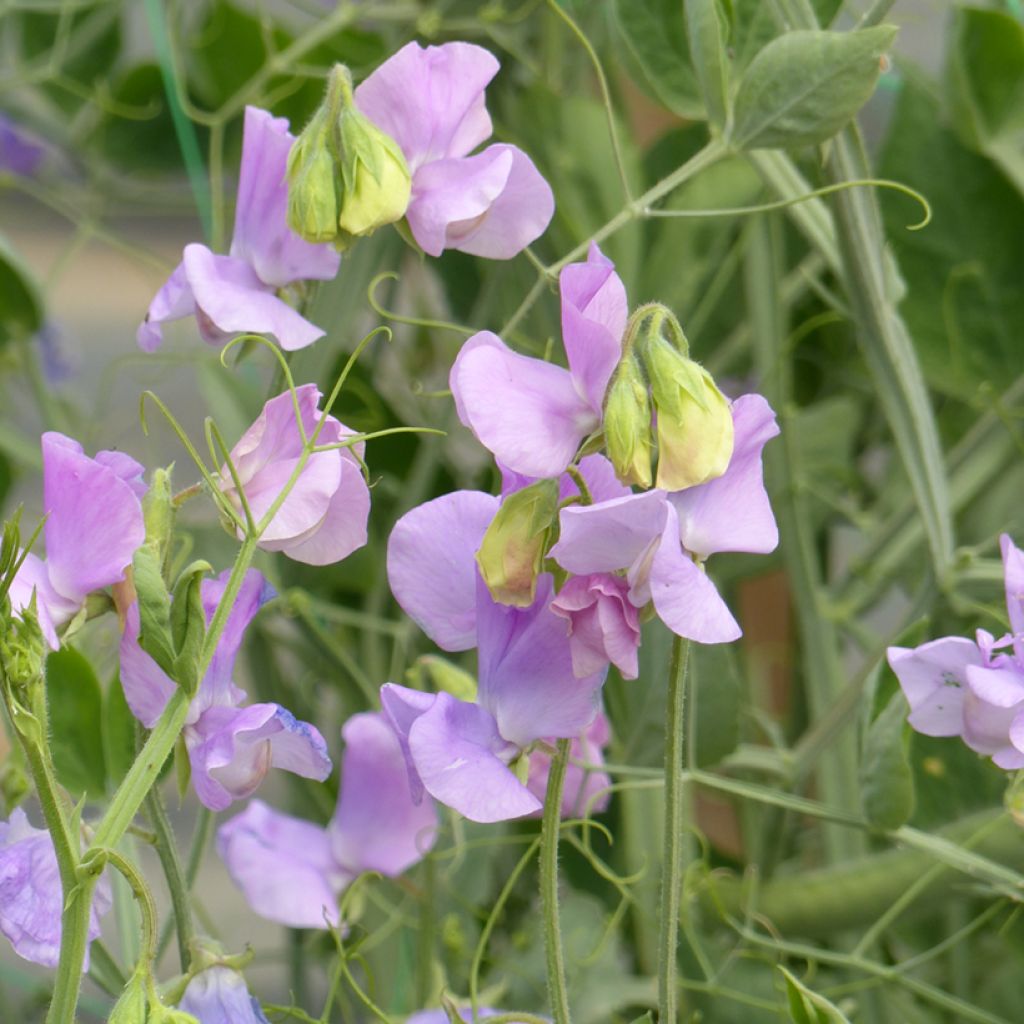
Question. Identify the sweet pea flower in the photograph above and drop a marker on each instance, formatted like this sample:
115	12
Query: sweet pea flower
441	1016
659	538
431	102
93	526
219	995
293	871
237	293
31	898
231	747
604	625
959	687
461	752
531	414
585	790
323	519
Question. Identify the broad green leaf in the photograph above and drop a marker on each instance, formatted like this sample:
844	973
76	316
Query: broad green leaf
21	309
118	733
154	608
807	1007
706	26
76	715
804	86
887	781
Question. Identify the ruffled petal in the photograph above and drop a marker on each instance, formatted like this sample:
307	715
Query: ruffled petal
525	411
283	865
603	624
401	707
431	565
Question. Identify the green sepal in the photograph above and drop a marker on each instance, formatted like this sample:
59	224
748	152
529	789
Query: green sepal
188	625
154	607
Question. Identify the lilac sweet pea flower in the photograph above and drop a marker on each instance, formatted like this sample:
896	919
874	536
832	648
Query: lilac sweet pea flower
323	519
93	527
219	995
956	687
441	1016
604	625
231	748
531	414
31	898
459	752
585	791
431	102
293	871
660	537
237	293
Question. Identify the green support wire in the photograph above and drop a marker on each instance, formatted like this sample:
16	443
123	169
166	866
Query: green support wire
188	141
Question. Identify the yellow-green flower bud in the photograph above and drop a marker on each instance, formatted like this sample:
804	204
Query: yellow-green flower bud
130	1008
313	181
627	423
158	512
513	549
695	430
431	672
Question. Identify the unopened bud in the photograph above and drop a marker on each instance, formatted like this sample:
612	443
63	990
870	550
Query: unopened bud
130	1008
432	672
513	549
312	182
158	512
627	423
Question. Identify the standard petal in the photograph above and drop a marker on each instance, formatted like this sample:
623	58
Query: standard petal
94	520
462	761
432	568
219	995
1013	573
401	707
127	469
732	512
430	100
274	435
283	865
173	301
147	688
594	314
235	301
933	677
525	411
262	237
377	826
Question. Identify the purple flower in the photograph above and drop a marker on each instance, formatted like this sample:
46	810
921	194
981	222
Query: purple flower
31	899
238	293
93	526
20	151
431	102
231	748
660	537
459	752
293	871
219	995
604	625
585	790
956	687
531	414
323	519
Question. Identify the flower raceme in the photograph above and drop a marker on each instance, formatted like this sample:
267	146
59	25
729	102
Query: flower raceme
293	871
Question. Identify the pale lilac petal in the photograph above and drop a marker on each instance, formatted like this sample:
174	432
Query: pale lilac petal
525	411
611	535
933	677
94	520
603	625
431	100
526	672
1013	572
262	237
594	313
986	727
684	597
401	707
147	688
126	468
585	790
732	512
275	434
377	826
1009	758
219	995
235	301
599	475
431	565
52	610
441	1016
232	749
462	760
173	301
283	865
1000	687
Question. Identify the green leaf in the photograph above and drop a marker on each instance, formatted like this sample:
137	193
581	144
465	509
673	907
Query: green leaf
76	717
804	86
154	608
188	625
807	1007
887	780
118	734
706	26
21	309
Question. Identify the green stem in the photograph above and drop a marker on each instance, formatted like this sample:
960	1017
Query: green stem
200	838
177	883
671	864
557	990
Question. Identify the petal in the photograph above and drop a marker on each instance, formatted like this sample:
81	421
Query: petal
585	791
986	726
603	624
127	469
401	707
262	237
460	757
927	672
525	411
377	826
94	520
431	100
275	434
594	314
173	301
431	565
1013	572
52	610
235	300
283	865
219	995
147	689
732	512
1000	687
684	597
526	672
599	475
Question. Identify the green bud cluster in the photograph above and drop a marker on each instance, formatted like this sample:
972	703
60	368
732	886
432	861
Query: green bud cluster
346	177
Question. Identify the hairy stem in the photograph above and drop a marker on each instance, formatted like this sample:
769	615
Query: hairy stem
557	989
177	882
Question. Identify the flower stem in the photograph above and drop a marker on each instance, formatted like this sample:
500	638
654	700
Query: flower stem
671	865
557	991
177	883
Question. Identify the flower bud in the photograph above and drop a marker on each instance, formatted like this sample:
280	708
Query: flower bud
694	421
512	552
130	1008
627	423
431	672
312	182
